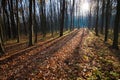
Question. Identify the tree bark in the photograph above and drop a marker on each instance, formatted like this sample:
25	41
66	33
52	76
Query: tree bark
73	12
12	19
17	21
43	18
51	24
97	16
62	18
1	44
30	23
107	20
23	18
35	26
116	26
1	49
103	9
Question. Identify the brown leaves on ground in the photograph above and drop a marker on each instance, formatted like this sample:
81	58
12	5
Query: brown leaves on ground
99	62
79	56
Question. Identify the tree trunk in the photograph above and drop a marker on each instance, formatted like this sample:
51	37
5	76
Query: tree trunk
30	23
73	12
90	16
1	49
43	18
17	21
35	26
103	9
96	27
6	28
51	24
23	18
1	44
116	26
62	18
3	14
107	19
1	37
12	19
9	33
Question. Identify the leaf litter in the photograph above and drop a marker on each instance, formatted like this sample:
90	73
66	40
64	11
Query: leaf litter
81	57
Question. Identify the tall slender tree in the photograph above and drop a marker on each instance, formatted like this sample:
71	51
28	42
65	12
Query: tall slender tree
90	15
107	19
23	19
51	17
62	17
35	23
43	17
103	12
4	19
14	30
1	47
71	13
30	23
97	16
1	37
17	22
116	26
73	9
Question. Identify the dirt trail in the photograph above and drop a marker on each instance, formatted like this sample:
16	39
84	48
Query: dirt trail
78	56
57	63
21	64
47	60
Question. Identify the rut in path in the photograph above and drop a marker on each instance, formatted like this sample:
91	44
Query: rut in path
51	61
17	64
56	63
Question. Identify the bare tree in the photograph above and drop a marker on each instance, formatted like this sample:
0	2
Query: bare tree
1	37
1	47
23	18
116	26
97	16
103	10
107	19
62	17
14	30
35	23
51	17
30	23
17	21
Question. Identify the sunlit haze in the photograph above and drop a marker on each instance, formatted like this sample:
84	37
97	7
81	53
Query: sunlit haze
85	7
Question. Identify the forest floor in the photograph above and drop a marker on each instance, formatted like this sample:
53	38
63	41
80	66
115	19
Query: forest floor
12	46
80	55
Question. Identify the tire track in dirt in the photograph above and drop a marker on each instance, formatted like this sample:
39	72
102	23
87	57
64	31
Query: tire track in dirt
13	58
28	61
55	64
52	49
7	57
57	53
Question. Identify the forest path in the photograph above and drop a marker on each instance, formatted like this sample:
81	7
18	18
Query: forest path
19	65
79	55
